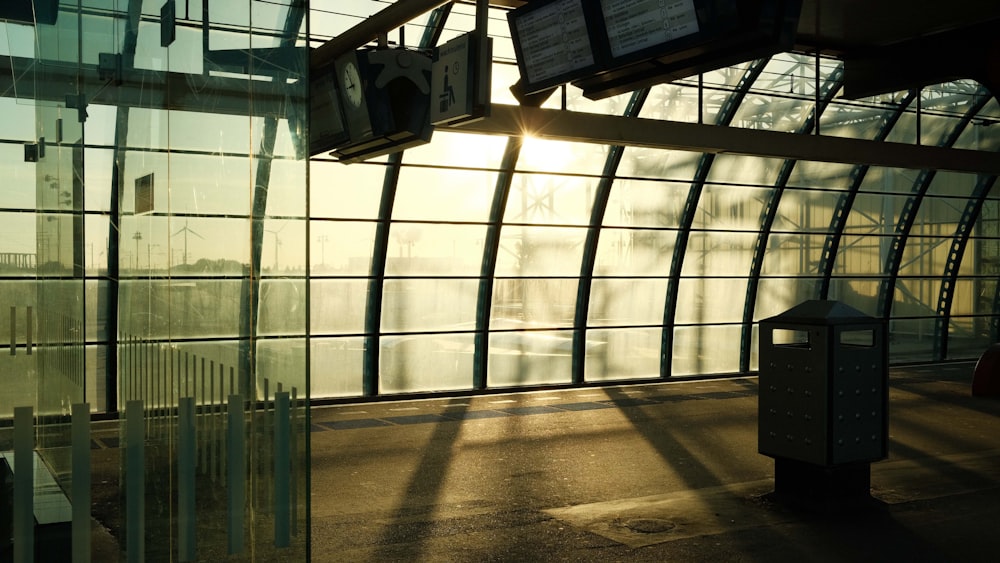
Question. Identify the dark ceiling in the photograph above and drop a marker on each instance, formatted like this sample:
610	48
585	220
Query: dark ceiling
887	45
892	45
857	27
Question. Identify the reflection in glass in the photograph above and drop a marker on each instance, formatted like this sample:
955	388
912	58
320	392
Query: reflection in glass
425	362
616	354
429	304
531	357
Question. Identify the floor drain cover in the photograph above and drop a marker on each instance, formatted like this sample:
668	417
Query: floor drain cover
648	525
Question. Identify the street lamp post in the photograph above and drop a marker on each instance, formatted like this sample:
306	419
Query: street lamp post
137	237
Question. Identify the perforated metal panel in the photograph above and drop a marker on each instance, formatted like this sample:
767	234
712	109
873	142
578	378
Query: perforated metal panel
823	385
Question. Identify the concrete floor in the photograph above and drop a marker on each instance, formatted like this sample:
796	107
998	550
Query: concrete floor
659	472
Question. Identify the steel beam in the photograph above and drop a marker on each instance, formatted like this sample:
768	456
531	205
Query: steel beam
140	88
582	127
603	193
487	270
973	208
908	214
723	119
845	202
770	212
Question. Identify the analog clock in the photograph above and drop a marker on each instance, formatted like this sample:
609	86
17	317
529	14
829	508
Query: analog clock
351	83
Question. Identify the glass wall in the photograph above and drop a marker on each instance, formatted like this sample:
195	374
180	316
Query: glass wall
154	265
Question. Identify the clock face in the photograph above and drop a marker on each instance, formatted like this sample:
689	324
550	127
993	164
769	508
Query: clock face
351	83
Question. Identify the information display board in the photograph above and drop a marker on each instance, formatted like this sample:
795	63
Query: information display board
634	25
609	47
553	42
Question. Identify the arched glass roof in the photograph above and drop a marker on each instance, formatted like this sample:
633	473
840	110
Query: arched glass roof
482	261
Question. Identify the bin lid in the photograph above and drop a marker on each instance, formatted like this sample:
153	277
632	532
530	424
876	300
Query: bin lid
819	311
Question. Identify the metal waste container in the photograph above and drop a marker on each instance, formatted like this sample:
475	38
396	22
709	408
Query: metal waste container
823	393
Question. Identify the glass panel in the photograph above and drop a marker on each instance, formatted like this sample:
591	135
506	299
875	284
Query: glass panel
622	302
539	155
19	125
790	254
336	367
18	312
673	102
915	297
540	251
185	275
434	362
19	244
281	363
182	309
529	303
96	378
911	340
878	211
421	249
710	300
659	164
746	170
964	297
529	358
777	295
97	179
96	296
284	248
282	308
208	246
342	248
892	180
345	191
856	120
968	337
96	251
924	256
862	294
775	113
461	150
820	175
952	184
429	304
338	306
438	194
730	207
706	349
754	348
615	354
976	136
550	200
861	255
718	254
805	210
639	203
199	183
632	252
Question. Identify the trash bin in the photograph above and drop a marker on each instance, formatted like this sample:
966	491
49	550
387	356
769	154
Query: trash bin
823	397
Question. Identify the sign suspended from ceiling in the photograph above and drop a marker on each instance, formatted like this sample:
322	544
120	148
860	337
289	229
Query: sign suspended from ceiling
611	47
